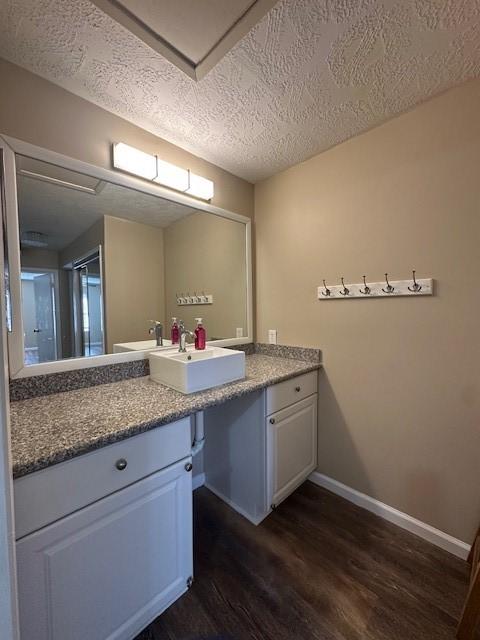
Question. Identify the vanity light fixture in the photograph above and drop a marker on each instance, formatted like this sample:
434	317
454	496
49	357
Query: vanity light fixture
134	161
150	167
172	176
200	187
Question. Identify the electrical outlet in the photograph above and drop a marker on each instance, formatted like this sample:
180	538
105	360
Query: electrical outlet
239	331
272	336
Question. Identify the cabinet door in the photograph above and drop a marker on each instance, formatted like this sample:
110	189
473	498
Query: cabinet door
107	570
292	447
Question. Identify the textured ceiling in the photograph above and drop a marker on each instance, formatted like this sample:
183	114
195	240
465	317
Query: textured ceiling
178	21
311	74
63	213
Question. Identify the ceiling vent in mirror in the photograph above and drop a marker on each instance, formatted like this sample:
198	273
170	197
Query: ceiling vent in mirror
62	183
34	240
150	167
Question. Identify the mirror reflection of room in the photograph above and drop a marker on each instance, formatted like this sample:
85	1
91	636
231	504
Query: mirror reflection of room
102	263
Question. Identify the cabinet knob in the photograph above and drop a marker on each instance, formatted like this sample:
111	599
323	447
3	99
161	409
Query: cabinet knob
297	389
121	464
188	466
272	420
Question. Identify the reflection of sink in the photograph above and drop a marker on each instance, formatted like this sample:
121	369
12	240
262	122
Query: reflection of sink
141	345
196	370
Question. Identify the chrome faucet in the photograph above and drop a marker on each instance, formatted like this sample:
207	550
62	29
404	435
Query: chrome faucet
157	329
183	333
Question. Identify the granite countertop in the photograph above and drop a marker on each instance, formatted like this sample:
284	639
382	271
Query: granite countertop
50	429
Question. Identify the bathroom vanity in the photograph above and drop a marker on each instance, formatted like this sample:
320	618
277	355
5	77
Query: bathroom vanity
261	447
104	537
98	262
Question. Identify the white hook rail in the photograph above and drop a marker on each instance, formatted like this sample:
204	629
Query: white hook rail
386	289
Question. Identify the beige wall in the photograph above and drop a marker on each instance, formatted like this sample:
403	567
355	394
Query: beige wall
207	253
39	258
134	280
87	242
399	407
42	113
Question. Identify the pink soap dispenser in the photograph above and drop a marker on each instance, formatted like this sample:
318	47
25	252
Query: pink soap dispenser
200	335
175	332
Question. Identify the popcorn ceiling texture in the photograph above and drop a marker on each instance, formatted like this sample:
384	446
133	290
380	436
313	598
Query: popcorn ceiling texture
310	74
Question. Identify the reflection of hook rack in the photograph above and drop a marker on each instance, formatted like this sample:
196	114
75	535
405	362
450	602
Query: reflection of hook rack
196	299
389	288
366	289
345	291
416	287
327	291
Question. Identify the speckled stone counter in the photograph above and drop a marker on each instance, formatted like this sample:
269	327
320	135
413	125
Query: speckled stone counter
50	429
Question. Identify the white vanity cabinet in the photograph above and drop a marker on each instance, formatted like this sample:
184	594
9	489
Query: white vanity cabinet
259	448
105	570
291	448
291	428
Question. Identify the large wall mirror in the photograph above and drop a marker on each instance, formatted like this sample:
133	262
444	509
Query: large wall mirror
95	259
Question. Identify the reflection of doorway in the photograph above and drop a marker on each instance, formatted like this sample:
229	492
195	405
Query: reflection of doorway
88	305
40	308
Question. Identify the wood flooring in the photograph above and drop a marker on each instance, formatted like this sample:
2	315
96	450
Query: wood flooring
318	568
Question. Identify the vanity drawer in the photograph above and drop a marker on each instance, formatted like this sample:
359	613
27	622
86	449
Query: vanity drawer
284	394
45	496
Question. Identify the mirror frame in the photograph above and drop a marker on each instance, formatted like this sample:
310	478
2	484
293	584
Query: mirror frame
11	146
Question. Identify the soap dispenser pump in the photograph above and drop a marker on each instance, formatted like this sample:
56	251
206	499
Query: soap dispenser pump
175	332
200	335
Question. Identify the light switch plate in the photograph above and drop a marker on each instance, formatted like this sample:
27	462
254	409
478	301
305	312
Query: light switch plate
272	336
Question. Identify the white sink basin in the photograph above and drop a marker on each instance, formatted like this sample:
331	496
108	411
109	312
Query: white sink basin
196	370
141	345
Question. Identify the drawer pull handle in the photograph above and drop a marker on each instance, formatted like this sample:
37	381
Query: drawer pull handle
297	389
272	420
121	464
188	466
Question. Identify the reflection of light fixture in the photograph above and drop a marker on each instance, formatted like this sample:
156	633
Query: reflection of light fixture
150	167
34	239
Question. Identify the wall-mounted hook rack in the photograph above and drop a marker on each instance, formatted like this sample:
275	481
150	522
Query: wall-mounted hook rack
327	291
344	291
366	291
416	287
386	289
389	288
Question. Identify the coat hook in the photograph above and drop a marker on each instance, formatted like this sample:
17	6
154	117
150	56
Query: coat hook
416	287
327	291
389	288
366	290
345	291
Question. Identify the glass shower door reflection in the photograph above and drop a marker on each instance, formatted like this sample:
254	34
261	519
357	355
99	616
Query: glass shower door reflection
91	316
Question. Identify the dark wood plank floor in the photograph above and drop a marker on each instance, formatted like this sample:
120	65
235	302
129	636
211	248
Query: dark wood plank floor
318	568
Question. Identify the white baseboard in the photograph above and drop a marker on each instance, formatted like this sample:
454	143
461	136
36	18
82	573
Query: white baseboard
403	520
198	481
